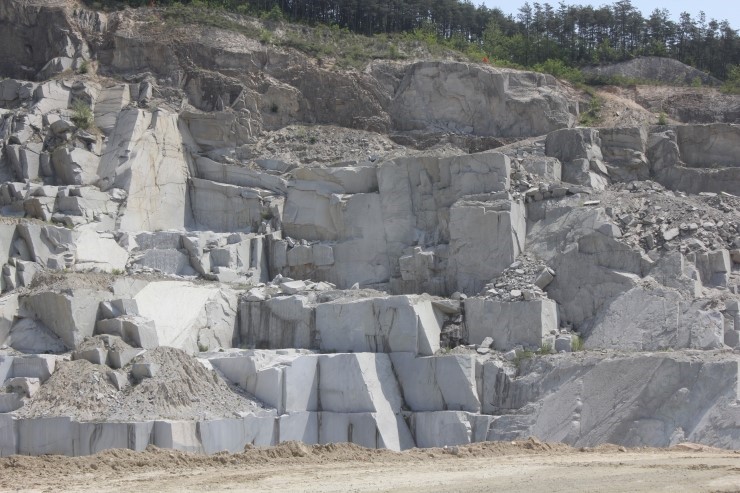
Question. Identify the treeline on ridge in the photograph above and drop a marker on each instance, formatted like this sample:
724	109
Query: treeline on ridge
573	34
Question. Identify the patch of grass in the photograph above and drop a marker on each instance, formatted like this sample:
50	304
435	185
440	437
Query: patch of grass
592	115
324	42
576	343
545	349
82	115
523	355
662	119
198	13
117	272
84	67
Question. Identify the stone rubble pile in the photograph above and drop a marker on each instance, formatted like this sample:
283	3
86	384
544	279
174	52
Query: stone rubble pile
201	267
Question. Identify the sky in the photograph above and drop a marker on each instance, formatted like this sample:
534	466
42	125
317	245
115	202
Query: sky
718	9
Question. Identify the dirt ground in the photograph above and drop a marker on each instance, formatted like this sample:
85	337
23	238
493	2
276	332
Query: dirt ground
527	466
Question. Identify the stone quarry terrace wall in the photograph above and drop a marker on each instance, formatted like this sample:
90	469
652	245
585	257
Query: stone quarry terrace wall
400	401
418	204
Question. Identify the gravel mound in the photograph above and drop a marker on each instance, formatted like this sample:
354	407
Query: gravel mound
182	388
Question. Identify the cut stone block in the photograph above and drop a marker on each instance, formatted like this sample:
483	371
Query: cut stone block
510	324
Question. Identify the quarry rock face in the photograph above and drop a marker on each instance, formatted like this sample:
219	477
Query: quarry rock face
234	251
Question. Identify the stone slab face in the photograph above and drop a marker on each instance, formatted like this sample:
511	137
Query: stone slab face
222	207
177	435
186	315
109	103
8	436
222	435
669	399
437	383
439	429
58	436
97	437
707	145
393	324
630	320
449	94
486	237
145	156
299	426
285	322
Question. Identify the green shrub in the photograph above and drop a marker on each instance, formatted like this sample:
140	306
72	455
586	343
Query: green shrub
662	119
559	69
265	37
82	116
274	15
732	83
84	67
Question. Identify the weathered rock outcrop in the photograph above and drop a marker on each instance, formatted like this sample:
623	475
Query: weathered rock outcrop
653	68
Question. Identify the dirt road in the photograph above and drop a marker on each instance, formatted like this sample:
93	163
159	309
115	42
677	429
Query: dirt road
521	467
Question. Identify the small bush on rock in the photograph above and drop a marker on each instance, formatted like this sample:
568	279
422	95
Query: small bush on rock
82	116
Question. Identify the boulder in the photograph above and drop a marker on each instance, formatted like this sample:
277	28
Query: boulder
50	96
32	336
49	246
545	167
580	152
39	366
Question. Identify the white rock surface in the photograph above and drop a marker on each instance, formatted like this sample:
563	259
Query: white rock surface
189	316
